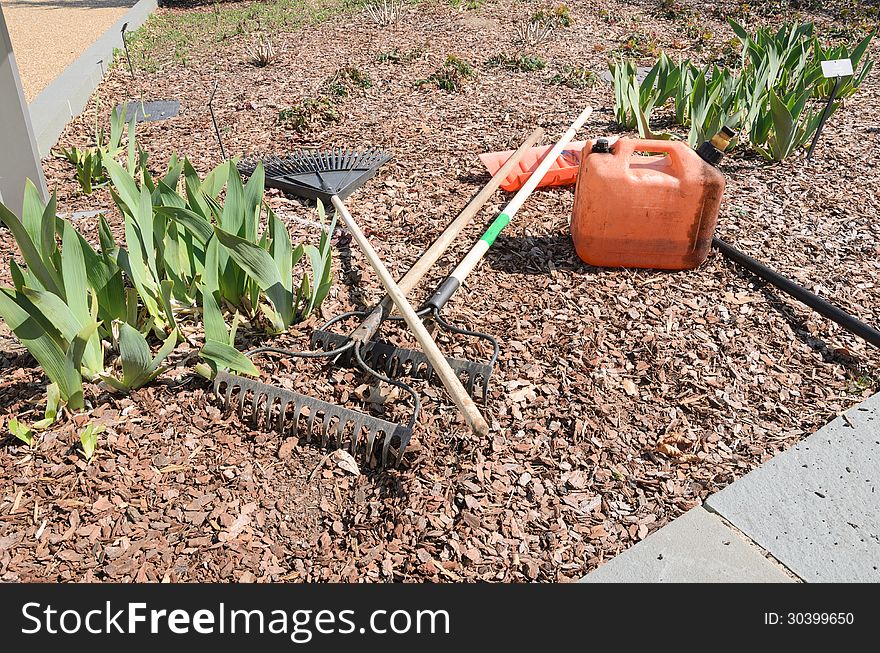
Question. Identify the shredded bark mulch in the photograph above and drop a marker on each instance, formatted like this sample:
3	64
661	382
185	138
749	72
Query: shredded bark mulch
622	398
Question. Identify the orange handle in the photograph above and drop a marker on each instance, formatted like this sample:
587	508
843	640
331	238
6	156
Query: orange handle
626	147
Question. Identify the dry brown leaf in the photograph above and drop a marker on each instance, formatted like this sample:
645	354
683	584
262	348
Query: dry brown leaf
375	394
669	450
345	462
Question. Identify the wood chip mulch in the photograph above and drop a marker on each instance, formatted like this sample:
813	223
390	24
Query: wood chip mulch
622	398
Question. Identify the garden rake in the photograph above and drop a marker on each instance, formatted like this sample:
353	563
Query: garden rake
280	408
400	361
313	176
403	362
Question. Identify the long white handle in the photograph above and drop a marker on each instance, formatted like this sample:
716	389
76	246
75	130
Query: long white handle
453	385
411	279
473	257
551	156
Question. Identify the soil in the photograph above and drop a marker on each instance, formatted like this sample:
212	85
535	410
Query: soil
621	399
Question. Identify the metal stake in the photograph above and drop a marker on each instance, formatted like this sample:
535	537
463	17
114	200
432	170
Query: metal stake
824	117
214	120
125	47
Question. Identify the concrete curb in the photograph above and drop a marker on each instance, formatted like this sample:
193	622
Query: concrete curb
67	95
816	507
813	507
698	547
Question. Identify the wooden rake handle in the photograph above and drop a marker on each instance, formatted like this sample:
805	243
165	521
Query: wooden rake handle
414	275
451	382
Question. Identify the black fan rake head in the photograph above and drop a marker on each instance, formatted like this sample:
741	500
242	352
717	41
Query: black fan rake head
318	174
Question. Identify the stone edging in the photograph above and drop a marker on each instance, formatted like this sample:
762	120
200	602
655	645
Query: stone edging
810	513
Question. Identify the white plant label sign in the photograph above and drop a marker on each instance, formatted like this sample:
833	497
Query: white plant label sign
837	68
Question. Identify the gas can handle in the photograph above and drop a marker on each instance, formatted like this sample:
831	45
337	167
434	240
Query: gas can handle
626	147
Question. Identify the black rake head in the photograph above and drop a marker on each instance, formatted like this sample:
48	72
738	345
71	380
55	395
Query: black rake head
284	411
401	362
318	174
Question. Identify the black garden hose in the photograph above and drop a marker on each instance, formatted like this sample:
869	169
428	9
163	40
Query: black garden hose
786	285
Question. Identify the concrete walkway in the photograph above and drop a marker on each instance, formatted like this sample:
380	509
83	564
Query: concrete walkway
810	514
48	35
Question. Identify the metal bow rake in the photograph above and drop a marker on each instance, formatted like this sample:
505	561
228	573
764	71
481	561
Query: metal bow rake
277	407
402	362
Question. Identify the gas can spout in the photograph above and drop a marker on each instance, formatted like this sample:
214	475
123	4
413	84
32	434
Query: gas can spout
712	151
601	146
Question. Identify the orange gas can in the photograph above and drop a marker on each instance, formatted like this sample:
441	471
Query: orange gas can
654	211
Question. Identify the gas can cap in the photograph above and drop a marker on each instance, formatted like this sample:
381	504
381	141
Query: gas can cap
601	145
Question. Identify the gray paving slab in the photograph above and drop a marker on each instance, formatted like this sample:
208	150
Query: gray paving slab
816	507
695	548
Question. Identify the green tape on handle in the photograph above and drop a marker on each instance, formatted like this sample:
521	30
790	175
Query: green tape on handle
495	228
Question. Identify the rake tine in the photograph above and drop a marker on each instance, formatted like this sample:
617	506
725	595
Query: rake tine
240	404
338	431
313	415
341	435
228	392
326	430
386	445
254	403
435	314
427	374
307	420
299	406
335	417
403	362
405	438
350	167
416	402
357	427
371	442
402	365
404	442
282	413
270	404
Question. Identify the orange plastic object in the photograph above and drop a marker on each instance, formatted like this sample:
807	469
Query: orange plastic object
563	172
640	211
